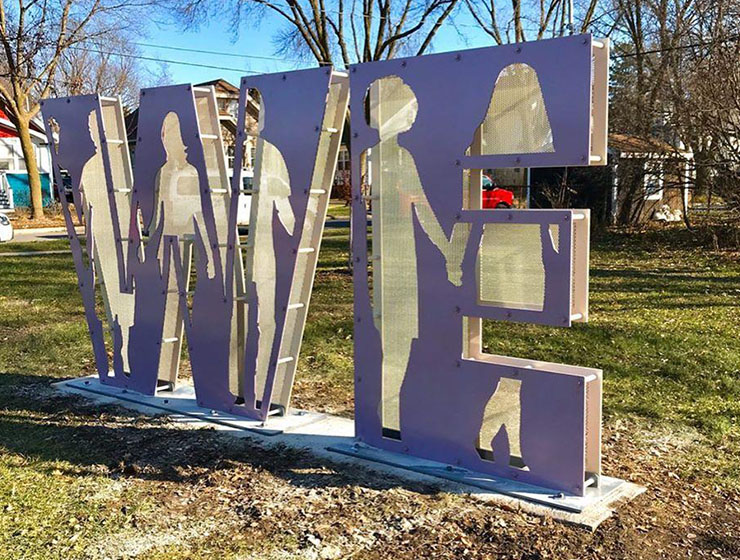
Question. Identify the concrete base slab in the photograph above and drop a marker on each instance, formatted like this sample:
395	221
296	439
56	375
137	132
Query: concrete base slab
332	438
182	407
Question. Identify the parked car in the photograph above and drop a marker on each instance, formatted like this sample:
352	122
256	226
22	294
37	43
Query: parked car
6	228
495	197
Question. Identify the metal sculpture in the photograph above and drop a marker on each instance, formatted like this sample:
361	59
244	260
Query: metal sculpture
439	264
145	230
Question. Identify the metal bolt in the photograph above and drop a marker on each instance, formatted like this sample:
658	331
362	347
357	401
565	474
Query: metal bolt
403	64
518	49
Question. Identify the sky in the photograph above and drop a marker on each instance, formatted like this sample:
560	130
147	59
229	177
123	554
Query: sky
257	42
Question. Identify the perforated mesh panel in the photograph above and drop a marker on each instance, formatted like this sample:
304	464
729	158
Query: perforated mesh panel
504	409
178	189
117	147
516	121
273	183
119	305
511	271
205	121
395	179
177	182
218	181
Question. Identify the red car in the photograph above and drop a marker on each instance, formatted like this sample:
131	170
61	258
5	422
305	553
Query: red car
495	197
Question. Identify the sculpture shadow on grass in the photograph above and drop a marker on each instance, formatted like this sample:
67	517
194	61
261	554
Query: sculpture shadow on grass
94	439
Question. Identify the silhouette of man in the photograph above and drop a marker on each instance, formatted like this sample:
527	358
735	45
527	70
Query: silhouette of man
99	220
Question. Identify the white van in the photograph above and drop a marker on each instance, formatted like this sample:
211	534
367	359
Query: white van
245	200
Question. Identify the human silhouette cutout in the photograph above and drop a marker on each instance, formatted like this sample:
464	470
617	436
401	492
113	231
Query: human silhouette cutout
99	219
273	182
399	192
177	188
177	203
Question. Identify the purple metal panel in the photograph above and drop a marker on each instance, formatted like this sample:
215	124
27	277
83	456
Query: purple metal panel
454	91
294	105
75	148
208	325
443	396
557	266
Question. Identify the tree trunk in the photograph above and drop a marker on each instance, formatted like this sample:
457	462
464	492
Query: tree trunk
34	178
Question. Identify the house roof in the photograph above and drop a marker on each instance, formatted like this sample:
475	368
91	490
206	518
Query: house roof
627	143
36	126
221	85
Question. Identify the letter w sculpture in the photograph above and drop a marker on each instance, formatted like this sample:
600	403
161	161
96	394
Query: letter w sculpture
243	307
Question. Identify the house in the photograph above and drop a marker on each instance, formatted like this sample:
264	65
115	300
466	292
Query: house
651	179
645	179
14	189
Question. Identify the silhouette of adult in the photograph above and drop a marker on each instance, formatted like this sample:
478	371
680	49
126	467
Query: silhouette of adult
273	182
396	184
99	219
177	202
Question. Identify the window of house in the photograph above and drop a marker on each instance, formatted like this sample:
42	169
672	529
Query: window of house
343	163
230	156
653	180
5	164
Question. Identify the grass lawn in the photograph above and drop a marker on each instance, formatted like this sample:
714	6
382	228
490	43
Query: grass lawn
78	481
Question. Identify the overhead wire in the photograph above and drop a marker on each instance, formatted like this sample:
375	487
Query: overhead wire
278	59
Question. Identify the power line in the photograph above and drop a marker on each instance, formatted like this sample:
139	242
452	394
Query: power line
277	59
218	53
153	59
